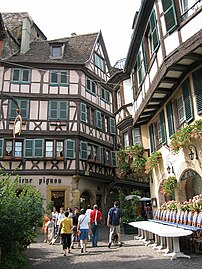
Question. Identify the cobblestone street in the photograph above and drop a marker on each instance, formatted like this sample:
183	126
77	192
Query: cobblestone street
133	254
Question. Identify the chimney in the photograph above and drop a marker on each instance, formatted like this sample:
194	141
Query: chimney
73	34
26	35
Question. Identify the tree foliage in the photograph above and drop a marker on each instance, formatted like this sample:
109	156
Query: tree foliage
20	211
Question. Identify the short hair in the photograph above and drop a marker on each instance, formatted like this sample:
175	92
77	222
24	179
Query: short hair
89	206
76	207
116	203
95	206
66	213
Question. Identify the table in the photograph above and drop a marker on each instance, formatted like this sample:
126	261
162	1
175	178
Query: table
166	231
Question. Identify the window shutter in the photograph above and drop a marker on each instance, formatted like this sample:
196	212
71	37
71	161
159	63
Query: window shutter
163	130
98	119
101	154
53	110
144	55
169	14
63	109
29	145
23	108
83	150
197	80
169	111
70	149
38	148
112	126
151	136
154	31
187	100
83	112
139	68
113	158
1	147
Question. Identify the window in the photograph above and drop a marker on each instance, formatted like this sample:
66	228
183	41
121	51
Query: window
56	51
197	81
49	149
112	126
99	62
113	158
83	150
169	14
180	108
136	136
98	119
101	154
23	104
151	137
58	77
126	139
21	75
70	149
90	86
105	95
153	34
188	7
83	112
186	93
58	110
118	99
9	147
59	148
106	124
33	148
169	111
90	116
18	149
159	130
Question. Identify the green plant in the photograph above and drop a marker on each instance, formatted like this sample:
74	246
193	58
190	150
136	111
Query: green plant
131	159
169	185
20	212
182	137
153	161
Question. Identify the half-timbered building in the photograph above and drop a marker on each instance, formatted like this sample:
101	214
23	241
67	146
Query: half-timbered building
159	94
64	142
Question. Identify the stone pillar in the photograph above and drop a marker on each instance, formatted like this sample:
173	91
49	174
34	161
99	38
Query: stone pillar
75	191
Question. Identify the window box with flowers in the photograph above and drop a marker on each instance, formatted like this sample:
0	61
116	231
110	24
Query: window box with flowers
131	159
153	161
182	137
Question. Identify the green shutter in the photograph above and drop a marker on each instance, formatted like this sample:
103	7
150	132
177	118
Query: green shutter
63	109
112	126
151	136
98	119
29	146
169	111
144	55
197	80
139	67
113	158
101	154
1	147
83	112
154	31
53	110
163	130
38	148
169	14
187	100
70	149
83	150
23	104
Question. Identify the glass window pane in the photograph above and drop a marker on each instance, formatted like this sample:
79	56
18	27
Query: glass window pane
16	74
25	75
57	51
18	149
54	77
59	149
63	77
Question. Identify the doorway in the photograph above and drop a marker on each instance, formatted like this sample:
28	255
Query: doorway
58	197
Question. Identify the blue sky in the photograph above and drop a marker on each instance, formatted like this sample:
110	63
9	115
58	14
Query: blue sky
63	17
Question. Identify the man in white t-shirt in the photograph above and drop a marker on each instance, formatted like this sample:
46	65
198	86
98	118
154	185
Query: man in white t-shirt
61	216
88	211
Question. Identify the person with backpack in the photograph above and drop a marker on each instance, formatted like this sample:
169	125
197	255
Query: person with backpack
113	221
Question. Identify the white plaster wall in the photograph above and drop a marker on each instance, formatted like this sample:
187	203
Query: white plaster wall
34	107
153	71
15	88
43	108
53	90
74	78
35	76
6	86
46	77
171	42
24	88
35	88
192	27
128	93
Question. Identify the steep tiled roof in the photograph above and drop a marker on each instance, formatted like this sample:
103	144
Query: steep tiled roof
78	49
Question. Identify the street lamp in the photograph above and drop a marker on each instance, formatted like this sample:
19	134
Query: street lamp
192	152
170	167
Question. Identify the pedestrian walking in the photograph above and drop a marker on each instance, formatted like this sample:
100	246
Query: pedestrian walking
54	218
88	211
65	230
61	216
74	229
50	230
46	218
83	228
113	221
95	220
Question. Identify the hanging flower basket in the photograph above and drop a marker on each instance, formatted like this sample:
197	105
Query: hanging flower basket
153	161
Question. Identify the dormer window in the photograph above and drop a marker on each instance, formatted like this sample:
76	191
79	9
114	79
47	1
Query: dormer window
99	62
56	51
